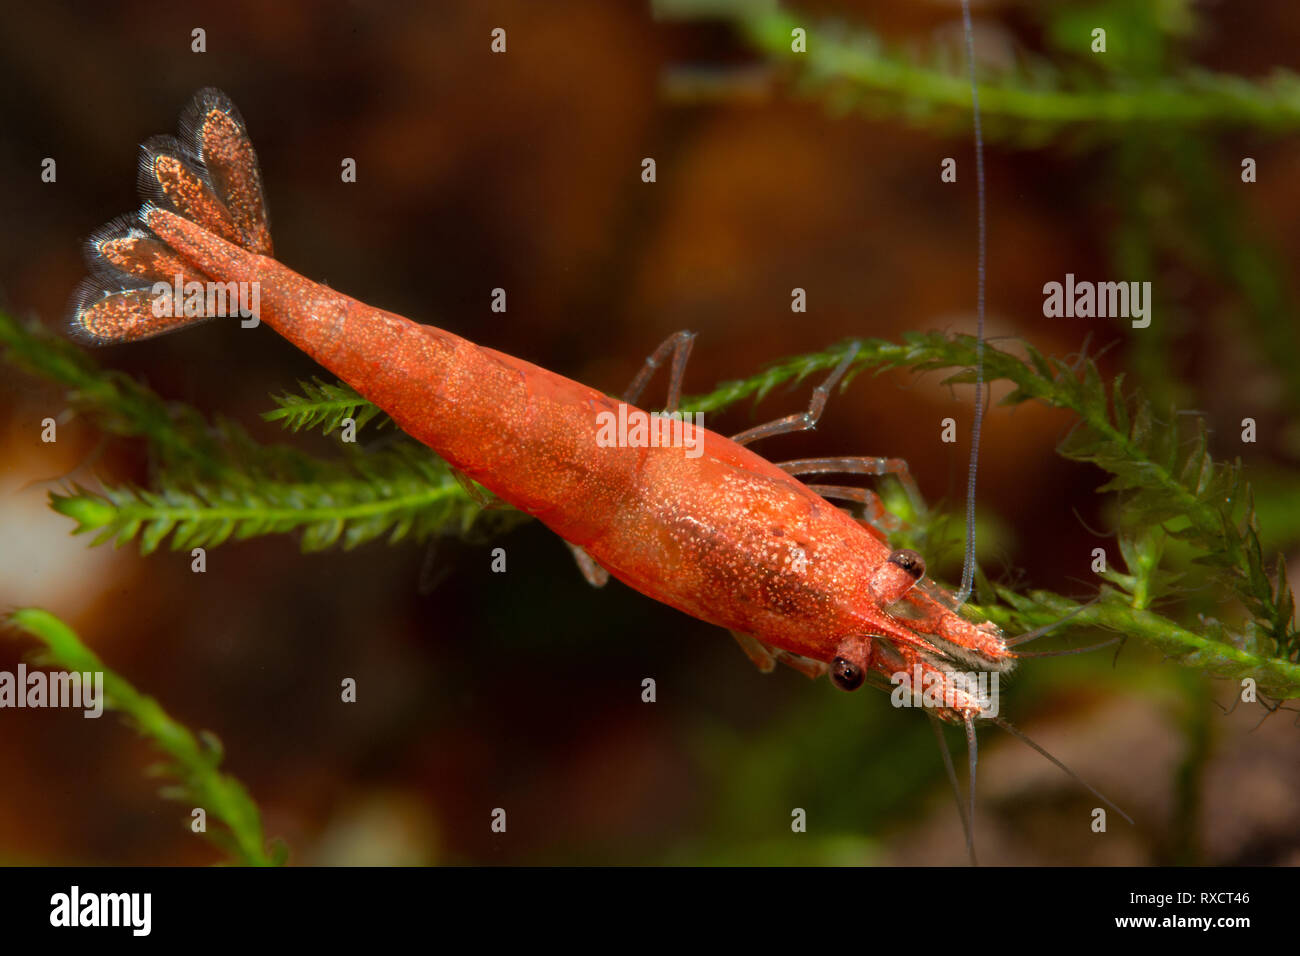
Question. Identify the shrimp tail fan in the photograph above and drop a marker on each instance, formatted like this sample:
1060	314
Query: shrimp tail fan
141	286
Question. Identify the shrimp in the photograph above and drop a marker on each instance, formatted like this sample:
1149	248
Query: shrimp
704	525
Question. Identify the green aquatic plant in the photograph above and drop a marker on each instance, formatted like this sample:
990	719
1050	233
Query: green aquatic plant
193	760
215	482
1031	101
1186	520
1154	117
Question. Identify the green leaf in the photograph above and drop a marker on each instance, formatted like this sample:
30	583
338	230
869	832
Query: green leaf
193	760
325	407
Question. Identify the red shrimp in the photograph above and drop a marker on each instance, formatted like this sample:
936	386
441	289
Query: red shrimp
723	535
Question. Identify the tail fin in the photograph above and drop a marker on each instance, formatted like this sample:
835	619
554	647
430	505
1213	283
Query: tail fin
209	176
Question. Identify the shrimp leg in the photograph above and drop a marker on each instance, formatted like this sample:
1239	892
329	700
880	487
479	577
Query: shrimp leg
806	420
596	576
802	421
877	516
679	345
765	657
860	465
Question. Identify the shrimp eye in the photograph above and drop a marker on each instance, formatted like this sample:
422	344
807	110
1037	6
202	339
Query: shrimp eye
846	674
909	561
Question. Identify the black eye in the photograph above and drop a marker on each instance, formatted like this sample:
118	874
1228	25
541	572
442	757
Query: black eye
909	561
846	674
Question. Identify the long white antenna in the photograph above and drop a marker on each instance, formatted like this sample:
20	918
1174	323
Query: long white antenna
968	565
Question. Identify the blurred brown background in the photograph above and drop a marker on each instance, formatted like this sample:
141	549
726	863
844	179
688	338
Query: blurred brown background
523	171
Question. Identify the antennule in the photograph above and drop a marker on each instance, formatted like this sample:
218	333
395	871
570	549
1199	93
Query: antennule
968	563
956	787
1011	729
972	751
1066	652
1048	628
